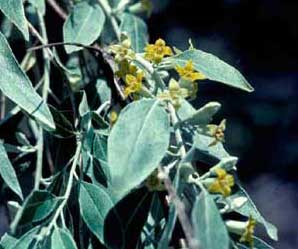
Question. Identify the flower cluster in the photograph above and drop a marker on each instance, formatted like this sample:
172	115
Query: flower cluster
130	73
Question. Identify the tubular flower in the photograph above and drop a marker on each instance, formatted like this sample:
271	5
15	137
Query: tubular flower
122	51
188	72
217	132
247	236
174	94
156	52
223	183
133	83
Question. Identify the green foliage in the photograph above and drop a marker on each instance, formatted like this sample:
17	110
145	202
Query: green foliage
14	10
8	173
205	217
213	68
119	157
136	29
16	85
84	25
132	154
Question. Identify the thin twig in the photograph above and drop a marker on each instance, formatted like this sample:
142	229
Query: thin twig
66	196
3	106
45	92
56	7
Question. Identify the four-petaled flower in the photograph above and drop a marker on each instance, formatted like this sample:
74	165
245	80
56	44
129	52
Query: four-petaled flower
247	236
223	183
175	93
188	72
156	52
133	83
217	131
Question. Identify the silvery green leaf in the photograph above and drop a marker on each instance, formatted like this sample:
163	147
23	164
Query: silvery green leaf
25	241
137	144
7	240
8	173
103	90
100	152
95	204
37	207
84	107
62	239
136	29
15	85
204	115
201	150
84	25
39	5
186	110
213	68
14	11
209	228
250	209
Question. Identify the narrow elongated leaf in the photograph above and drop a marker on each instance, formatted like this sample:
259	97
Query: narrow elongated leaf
62	239
250	209
213	68
8	173
95	204
136	30
84	25
14	11
137	144
209	228
15	85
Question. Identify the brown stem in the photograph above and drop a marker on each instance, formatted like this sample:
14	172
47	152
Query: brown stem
181	212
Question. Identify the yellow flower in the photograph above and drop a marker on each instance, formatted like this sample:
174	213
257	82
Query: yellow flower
223	183
125	67
247	236
122	51
156	52
188	73
217	131
133	83
174	94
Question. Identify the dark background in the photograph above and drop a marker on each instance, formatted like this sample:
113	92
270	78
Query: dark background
260	38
